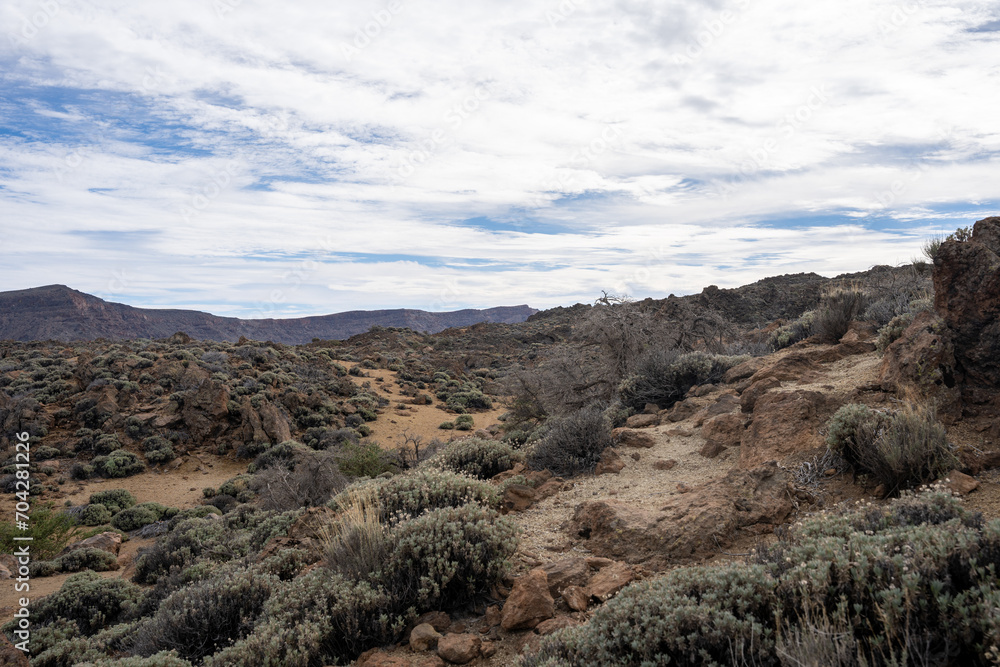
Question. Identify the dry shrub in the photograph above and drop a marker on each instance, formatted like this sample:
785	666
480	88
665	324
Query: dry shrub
836	312
312	480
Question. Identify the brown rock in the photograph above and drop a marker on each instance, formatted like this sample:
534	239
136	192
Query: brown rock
682	410
961	483
967	297
549	489
687	526
274	423
107	541
757	389
784	423
723	405
438	620
667	464
924	358
642	421
797	366
206	409
423	637
635	456
711	449
5	572
744	370
598	562
609	580
492	618
859	332
459	648
610	463
629	438
702	390
576	598
554	624
651	409
529	603
564	573
517	498
723	431
488	649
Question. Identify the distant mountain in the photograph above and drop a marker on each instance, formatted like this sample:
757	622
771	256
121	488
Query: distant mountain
57	312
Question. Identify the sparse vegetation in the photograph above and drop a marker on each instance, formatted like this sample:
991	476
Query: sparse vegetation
573	444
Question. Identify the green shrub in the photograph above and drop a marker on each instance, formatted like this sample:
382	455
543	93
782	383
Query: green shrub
363	460
465	422
115	500
89	601
205	616
97	560
158	456
447	426
886	590
50	531
478	458
836	312
320	618
141	515
461	401
892	331
572	444
95	514
162	659
793	332
900	449
106	443
664	376
425	490
117	464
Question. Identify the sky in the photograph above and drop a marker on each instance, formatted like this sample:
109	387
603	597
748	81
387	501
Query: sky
262	159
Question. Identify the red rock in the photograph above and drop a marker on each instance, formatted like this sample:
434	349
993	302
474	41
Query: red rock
423	637
529	602
491	619
961	483
784	423
566	572
576	597
608	581
107	541
750	395
642	421
549	488
488	649
598	562
667	464
629	438
459	648
517	498
651	409
725	404
438	620
682	410
610	463
744	370
10	655
723	431
711	449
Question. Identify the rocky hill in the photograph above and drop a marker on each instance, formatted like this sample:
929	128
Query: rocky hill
56	312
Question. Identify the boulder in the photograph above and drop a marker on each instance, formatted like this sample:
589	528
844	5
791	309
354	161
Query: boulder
725	404
967	297
961	483
529	602
750	395
566	572
784	423
687	526
423	637
107	541
642	421
723	431
205	410
576	598
10	656
744	370
274	423
797	366
517	498
682	410
459	649
628	438
610	463
607	581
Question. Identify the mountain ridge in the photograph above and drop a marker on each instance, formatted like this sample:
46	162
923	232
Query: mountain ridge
58	312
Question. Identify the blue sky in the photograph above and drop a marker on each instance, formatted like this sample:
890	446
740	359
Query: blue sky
264	160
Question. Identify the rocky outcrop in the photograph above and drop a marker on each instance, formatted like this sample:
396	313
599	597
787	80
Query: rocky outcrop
107	541
784	422
967	297
687	526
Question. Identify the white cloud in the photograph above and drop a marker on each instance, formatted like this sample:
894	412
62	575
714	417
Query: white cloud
650	147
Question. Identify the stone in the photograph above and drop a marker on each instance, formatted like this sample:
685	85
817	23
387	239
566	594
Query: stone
206	409
107	541
743	371
488	649
961	483
610	463
423	637
750	395
607	581
10	656
967	297
274	423
784	423
459	649
924	358
566	572
629	438
491	619
685	527
549	488
635	456
797	366
517	498
598	562
682	410
723	405
651	409
711	449
723	431
642	421
438	620
667	464
702	390
555	624
576	598
529	602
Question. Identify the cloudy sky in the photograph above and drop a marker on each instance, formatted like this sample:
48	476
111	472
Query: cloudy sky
281	159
